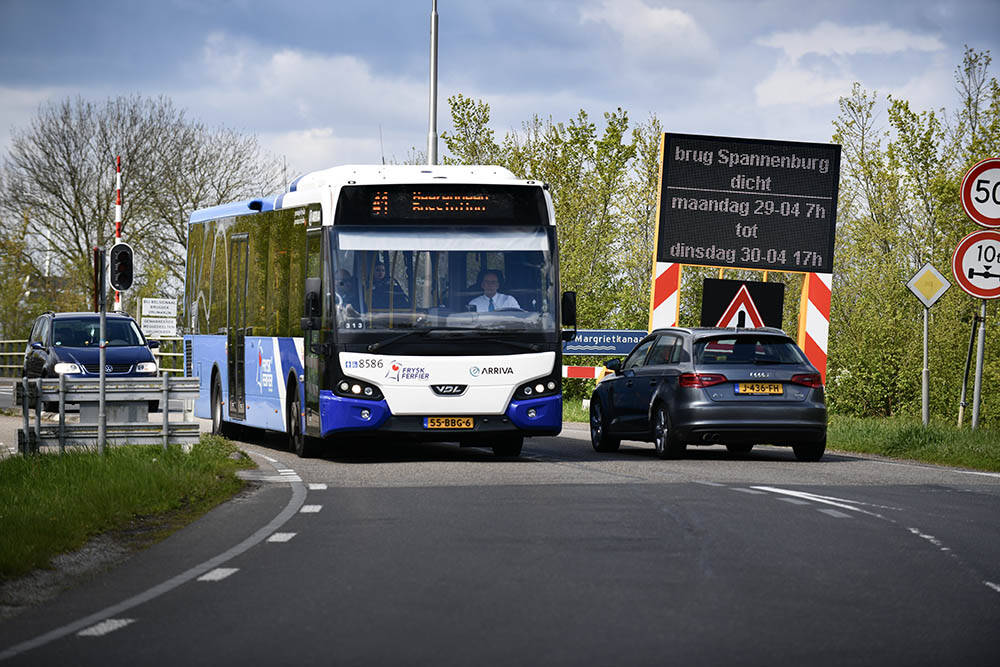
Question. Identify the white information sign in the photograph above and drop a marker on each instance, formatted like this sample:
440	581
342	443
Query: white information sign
159	307
159	327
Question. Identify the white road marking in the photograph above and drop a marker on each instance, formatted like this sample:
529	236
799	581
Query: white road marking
218	574
310	509
317	487
285	471
104	627
836	502
268	458
930	538
794	501
698	481
995	587
281	537
757	493
939	468
836	514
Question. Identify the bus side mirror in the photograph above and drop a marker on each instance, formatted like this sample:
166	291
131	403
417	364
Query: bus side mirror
569	314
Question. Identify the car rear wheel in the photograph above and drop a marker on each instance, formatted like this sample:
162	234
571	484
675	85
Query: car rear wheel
668	445
599	437
812	451
510	446
739	448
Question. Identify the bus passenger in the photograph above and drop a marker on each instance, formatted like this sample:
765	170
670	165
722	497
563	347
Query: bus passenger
491	299
386	291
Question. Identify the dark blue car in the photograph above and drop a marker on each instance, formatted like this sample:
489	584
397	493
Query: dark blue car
68	344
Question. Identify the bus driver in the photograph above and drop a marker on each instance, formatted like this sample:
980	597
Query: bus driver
491	299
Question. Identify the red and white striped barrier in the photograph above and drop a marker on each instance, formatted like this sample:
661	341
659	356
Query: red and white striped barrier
118	218
814	318
665	301
584	372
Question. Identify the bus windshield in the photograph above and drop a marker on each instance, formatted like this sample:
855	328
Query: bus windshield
478	277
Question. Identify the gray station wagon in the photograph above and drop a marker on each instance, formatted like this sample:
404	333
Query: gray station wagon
707	386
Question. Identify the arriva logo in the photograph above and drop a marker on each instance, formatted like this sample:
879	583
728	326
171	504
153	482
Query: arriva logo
476	371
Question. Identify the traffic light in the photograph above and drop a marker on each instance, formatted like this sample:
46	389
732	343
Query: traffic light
121	266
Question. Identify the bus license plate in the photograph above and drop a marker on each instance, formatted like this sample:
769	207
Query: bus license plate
758	388
448	422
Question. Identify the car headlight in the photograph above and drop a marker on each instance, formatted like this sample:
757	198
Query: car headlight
145	367
64	367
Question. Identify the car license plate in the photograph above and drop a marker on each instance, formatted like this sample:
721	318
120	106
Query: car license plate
759	388
448	422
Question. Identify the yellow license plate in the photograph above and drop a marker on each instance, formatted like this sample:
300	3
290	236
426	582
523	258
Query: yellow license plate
759	388
448	422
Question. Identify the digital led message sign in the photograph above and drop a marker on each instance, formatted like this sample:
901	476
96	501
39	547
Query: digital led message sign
492	204
748	203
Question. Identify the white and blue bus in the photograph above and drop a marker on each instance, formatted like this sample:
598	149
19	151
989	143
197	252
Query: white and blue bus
416	302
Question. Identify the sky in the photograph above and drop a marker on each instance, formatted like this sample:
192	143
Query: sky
327	82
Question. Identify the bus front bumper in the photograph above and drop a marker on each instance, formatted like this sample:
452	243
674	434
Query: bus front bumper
537	416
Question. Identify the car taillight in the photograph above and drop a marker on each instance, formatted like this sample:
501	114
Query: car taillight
701	379
813	380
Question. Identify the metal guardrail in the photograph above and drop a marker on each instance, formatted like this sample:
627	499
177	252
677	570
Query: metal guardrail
169	356
127	400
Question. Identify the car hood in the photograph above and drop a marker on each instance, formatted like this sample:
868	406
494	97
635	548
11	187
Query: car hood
125	354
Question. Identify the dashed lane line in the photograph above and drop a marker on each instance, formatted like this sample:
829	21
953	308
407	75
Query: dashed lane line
281	537
218	574
104	627
317	487
310	509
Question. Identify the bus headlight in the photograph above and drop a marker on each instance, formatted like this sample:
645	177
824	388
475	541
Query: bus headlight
540	388
353	388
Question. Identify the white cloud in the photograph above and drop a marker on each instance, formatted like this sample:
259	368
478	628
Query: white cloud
20	106
830	39
652	32
335	102
790	83
823	81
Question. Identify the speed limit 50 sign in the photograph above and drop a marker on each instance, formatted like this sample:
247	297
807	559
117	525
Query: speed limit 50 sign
976	264
981	193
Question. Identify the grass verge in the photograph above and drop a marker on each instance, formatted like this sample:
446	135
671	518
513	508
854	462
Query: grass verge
906	438
51	504
573	411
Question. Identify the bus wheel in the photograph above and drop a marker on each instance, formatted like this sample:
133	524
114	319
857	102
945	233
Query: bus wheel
509	446
218	425
297	440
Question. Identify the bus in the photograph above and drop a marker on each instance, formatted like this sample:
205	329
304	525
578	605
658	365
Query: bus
394	302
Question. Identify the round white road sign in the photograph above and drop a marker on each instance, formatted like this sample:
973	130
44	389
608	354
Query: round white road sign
981	193
976	264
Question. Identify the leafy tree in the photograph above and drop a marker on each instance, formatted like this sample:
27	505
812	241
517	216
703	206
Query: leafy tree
59	173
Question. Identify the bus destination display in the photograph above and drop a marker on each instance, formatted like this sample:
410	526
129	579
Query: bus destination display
748	203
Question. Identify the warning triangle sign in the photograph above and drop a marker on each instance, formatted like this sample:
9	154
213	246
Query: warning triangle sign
741	312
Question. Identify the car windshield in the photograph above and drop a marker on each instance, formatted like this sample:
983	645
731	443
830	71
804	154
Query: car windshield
86	331
444	277
747	349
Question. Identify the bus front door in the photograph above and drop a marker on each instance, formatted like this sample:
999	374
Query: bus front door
316	337
236	366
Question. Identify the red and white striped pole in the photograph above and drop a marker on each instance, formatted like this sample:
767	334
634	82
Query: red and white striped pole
118	218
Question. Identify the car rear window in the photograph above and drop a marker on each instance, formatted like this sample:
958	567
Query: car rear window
747	349
85	332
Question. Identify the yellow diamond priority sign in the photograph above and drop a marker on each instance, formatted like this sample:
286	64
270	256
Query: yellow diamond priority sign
928	285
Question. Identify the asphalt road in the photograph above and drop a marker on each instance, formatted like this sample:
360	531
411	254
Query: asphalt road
431	554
